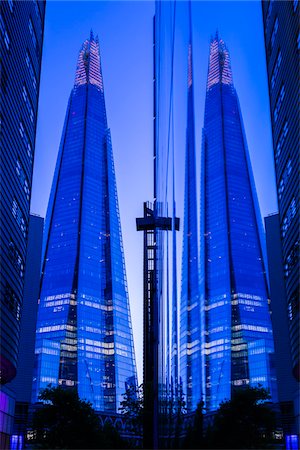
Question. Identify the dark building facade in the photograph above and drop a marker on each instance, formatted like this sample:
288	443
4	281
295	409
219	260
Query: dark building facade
282	44
84	335
287	385
21	50
21	385
21	29
238	342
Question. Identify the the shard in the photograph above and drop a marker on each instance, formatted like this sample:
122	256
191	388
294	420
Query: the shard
238	343
190	313
84	335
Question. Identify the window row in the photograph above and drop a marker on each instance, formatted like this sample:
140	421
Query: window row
12	301
290	214
276	69
23	179
11	5
269	12
38	15
293	305
274	33
33	35
284	179
295	4
18	216
31	71
281	140
28	103
16	259
25	139
292	259
279	102
4	34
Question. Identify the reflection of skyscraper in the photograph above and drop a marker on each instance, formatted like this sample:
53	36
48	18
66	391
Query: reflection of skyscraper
190	326
238	342
84	336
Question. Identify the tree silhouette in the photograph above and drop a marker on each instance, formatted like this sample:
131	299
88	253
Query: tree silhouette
132	406
66	422
246	421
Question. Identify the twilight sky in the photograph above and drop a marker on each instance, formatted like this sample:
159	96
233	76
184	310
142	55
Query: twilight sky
125	35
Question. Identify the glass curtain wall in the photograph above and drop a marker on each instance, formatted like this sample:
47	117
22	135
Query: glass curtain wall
239	341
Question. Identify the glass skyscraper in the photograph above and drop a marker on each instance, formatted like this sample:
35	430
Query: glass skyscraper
190	314
238	341
84	335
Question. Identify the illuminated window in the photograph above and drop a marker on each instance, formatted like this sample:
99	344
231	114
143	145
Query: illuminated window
32	32
290	214
293	305
276	69
279	102
18	215
15	257
292	259
281	140
285	176
25	140
12	301
274	32
23	179
4	33
31	71
28	103
270	7
11	5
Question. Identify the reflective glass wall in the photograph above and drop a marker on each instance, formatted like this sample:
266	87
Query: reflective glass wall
238	344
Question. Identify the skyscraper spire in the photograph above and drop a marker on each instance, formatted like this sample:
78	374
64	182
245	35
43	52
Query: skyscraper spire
190	56
89	64
190	326
219	69
84	335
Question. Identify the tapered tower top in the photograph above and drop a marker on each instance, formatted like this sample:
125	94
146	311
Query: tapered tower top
219	70
89	64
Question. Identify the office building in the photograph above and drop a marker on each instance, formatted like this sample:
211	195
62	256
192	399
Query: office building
84	334
238	342
21	385
21	29
190	313
287	385
282	44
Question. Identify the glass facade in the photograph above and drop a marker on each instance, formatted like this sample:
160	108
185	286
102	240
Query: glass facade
282	56
238	341
190	314
84	335
18	113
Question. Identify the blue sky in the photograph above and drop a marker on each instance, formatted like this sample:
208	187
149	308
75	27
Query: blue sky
125	35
